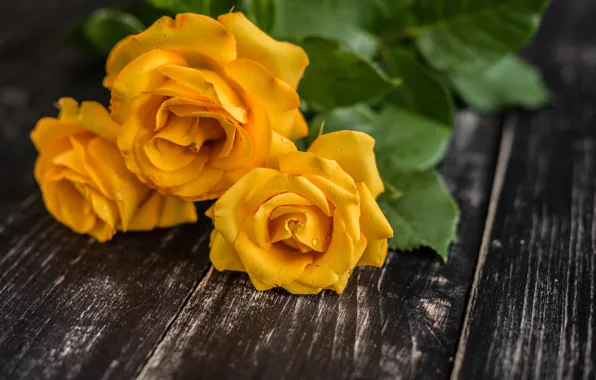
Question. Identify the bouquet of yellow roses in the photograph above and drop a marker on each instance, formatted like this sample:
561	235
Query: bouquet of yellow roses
209	109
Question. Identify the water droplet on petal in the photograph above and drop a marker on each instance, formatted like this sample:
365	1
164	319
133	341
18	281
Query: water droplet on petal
285	140
314	242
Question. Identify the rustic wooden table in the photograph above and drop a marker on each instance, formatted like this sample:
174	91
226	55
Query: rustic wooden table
515	300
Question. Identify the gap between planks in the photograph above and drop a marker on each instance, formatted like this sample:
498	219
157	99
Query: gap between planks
499	178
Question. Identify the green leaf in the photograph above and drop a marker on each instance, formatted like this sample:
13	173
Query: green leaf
421	91
404	141
425	216
509	82
343	20
359	117
337	77
261	12
106	27
390	193
463	36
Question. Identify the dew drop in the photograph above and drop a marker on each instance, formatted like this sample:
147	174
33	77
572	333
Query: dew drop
314	242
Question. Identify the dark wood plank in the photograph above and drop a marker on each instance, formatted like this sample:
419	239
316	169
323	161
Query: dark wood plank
399	321
533	302
73	308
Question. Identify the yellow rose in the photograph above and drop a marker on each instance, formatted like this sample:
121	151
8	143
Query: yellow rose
204	101
305	226
84	181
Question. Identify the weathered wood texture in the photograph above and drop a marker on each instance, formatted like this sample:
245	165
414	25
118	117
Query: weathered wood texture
533	304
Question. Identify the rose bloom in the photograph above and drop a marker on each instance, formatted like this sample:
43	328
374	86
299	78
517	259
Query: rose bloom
204	101
84	181
305	226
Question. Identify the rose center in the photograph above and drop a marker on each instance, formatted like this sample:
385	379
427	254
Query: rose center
302	228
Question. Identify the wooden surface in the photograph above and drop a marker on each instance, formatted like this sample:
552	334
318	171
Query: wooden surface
515	300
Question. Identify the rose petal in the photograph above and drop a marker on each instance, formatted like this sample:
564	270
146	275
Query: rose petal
298	288
373	223
195	190
199	38
176	211
147	215
229	212
279	145
284	60
374	254
280	100
276	266
327	268
141	75
354	152
223	254
90	116
260	220
265	188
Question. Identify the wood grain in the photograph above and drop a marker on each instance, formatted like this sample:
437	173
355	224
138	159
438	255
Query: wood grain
531	311
401	321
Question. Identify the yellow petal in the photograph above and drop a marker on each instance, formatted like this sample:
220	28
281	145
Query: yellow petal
266	188
297	288
75	211
279	100
195	190
147	215
105	209
229	211
327	268
279	145
259	285
260	220
374	254
373	223
102	232
223	254
315	230
131	142
284	60
201	40
191	78
210	213
49	130
111	174
354	152
176	211
141	75
276	266
298	129
227	96
309	165
337	186
259	132
91	116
